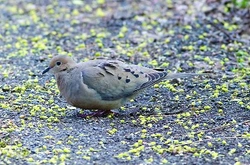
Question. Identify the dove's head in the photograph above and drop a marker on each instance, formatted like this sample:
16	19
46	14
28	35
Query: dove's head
59	64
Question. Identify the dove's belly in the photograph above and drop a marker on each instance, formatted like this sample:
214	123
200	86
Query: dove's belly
90	99
93	103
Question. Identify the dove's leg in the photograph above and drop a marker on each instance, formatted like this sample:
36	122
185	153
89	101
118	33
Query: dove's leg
104	113
127	112
99	113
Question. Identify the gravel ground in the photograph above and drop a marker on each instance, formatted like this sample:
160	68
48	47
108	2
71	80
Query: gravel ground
190	121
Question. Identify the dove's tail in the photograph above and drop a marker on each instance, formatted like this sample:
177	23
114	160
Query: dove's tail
183	75
156	77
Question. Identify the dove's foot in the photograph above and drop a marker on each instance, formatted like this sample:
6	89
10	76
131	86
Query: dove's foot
99	113
128	112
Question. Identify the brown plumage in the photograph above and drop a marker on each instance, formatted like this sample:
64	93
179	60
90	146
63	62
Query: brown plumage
103	84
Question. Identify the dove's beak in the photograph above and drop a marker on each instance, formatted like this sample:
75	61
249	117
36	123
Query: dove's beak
46	70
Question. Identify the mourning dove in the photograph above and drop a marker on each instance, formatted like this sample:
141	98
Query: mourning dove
102	84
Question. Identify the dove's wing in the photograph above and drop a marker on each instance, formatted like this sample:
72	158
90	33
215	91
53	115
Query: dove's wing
114	80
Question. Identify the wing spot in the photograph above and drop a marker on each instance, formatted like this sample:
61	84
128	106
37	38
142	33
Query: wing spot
101	74
119	77
127	70
136	75
127	80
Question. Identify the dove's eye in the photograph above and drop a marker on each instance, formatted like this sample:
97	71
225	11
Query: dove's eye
58	63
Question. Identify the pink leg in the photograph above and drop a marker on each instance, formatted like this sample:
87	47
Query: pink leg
99	113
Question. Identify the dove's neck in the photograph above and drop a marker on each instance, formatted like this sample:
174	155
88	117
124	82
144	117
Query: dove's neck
67	83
